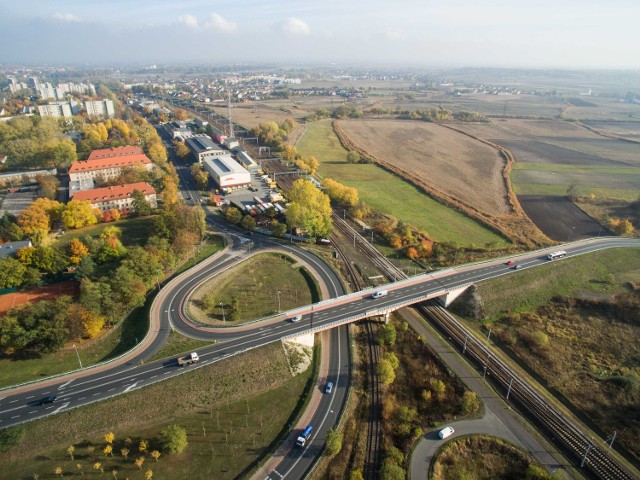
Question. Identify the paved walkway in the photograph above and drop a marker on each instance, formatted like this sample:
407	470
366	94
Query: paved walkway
499	419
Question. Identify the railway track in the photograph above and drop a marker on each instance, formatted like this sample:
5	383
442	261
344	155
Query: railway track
590	455
373	456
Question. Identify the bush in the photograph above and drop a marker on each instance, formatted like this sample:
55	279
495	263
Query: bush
174	439
11	437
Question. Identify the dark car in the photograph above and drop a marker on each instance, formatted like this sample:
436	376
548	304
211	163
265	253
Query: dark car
49	399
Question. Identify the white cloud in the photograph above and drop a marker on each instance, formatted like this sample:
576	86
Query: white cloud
219	23
292	26
395	33
66	17
215	22
188	20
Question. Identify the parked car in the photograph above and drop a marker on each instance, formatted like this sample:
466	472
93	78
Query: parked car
445	432
329	387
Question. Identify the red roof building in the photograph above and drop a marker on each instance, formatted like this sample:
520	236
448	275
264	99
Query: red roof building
119	197
115	152
107	167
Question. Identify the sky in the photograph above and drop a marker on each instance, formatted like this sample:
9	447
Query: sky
452	33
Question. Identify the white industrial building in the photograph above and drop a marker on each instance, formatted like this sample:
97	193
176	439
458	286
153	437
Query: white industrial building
226	172
203	147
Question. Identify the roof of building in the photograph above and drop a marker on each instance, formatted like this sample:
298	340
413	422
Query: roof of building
224	165
10	248
115	152
202	143
114	193
109	162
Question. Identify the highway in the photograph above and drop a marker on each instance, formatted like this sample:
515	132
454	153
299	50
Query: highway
20	407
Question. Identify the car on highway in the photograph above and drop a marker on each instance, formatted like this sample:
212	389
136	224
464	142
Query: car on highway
329	387
48	399
296	319
379	293
445	432
517	266
510	262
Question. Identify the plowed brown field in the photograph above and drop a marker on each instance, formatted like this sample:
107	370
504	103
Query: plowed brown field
444	159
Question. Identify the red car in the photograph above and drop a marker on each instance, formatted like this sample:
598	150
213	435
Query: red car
510	262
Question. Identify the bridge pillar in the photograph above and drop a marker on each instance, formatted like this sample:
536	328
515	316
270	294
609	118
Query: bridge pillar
447	299
386	317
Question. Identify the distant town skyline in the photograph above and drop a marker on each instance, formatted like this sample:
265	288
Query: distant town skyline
494	33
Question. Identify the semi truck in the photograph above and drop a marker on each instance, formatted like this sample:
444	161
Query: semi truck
304	436
188	359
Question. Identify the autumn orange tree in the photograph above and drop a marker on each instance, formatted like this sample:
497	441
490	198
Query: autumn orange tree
77	251
78	214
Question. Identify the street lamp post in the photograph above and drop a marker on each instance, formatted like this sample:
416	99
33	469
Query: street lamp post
78	354
279	309
223	319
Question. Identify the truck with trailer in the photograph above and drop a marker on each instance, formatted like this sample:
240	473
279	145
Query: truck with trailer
304	436
188	359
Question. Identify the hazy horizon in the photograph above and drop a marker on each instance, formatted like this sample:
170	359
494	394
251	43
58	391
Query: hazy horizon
507	34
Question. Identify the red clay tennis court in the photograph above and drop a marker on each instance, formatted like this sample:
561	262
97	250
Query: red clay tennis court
47	292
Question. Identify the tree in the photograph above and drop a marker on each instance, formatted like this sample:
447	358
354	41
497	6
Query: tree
334	442
157	153
11	272
438	387
143	445
356	475
70	451
108	450
233	215
391	471
156	455
174	439
78	214
125	453
181	149
572	192
11	437
148	475
48	186
385	371
169	191
470	402
139	204
387	334
32	220
77	251
58	471
248	223
353	157
181	114
310	209
139	462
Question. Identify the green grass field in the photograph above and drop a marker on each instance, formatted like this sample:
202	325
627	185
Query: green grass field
232	411
389	194
255	283
587	274
135	231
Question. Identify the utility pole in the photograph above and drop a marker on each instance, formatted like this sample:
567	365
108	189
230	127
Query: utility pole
279	309
464	348
223	318
584	458
509	390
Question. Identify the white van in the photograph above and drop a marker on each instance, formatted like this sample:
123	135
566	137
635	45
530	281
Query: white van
379	293
445	432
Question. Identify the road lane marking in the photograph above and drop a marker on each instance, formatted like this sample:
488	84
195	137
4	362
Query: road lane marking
65	384
130	387
60	407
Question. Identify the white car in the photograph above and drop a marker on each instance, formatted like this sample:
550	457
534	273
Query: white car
379	293
445	432
296	319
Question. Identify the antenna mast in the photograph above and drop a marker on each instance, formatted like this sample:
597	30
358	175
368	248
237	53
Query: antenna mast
229	108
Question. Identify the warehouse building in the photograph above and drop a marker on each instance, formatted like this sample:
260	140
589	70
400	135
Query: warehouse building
203	147
228	174
246	161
